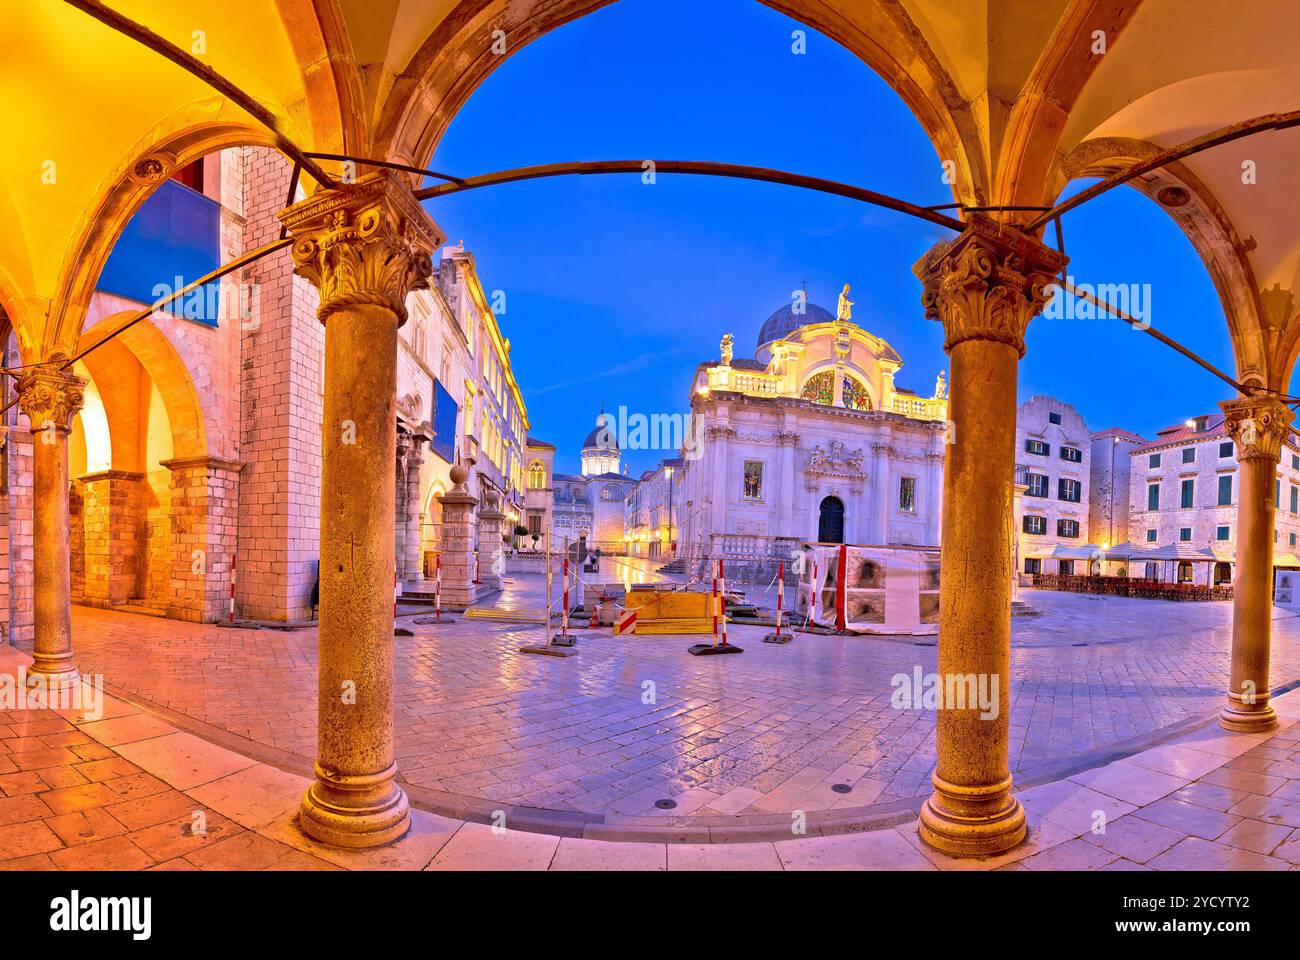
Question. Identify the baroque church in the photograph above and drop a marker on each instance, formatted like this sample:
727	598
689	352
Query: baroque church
811	440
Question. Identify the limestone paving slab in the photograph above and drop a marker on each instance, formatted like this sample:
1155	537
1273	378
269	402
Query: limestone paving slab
579	735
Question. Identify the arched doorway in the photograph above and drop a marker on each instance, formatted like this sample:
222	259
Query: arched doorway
830	521
1222	573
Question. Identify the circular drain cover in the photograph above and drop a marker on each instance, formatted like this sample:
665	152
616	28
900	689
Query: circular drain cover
666	804
841	788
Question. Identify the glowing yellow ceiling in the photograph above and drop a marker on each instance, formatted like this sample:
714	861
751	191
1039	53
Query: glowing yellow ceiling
1013	91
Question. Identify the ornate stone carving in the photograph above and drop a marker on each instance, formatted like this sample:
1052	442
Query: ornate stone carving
835	462
727	346
1257	425
153	169
363	243
987	284
50	397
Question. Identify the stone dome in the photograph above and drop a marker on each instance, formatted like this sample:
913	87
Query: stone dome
603	437
785	321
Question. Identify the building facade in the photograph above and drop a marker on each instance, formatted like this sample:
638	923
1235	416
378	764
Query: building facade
195	463
1184	491
811	440
592	505
651	519
1108	484
1055	448
539	499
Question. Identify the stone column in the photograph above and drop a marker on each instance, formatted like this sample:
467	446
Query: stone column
456	542
364	246
489	542
884	491
401	509
1257	426
50	397
413	568
984	286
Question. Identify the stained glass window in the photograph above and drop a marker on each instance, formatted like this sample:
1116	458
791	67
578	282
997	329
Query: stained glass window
753	487
855	394
820	388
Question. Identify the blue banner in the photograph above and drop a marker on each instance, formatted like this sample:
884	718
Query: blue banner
173	239
445	412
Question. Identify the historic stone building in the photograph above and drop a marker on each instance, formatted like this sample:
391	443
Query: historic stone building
811	440
651	519
1185	491
195	462
591	504
1108	484
1053	445
539	499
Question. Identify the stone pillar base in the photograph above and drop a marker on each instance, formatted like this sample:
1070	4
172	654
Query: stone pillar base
972	821
355	812
1241	717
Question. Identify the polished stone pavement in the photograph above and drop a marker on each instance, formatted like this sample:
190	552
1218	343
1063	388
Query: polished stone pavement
632	722
126	790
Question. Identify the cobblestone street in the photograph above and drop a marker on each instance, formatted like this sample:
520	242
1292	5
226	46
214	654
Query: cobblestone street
633	721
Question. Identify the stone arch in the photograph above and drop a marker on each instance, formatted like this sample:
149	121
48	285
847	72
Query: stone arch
150	347
137	176
458	55
1191	205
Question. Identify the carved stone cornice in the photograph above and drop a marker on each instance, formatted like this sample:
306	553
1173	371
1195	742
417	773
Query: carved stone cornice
50	397
987	284
367	242
1257	425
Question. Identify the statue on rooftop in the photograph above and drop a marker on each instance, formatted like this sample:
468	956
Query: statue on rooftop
727	342
845	309
940	387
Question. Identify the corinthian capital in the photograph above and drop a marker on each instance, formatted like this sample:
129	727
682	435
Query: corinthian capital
367	242
987	284
50	397
1257	425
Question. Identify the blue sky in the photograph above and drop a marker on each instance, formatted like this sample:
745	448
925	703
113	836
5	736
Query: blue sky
616	290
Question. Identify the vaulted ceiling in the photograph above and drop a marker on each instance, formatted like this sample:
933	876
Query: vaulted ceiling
1021	95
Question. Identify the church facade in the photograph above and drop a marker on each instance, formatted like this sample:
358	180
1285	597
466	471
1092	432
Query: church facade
811	440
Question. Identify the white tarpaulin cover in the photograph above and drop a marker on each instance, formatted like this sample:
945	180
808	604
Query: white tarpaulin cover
886	590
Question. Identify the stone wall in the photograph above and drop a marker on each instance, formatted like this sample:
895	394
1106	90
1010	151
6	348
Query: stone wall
281	390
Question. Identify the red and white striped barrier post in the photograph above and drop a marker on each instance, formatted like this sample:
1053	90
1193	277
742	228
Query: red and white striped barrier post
234	559
722	586
715	603
780	594
840	584
564	615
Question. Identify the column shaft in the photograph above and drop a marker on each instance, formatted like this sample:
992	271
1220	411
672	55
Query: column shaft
1257	427
365	246
50	398
985	287
972	780
354	752
51	570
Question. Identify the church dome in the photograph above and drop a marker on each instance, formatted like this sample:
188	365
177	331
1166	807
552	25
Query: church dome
602	438
785	321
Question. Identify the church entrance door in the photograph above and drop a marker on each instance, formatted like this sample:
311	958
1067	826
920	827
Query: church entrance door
830	523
